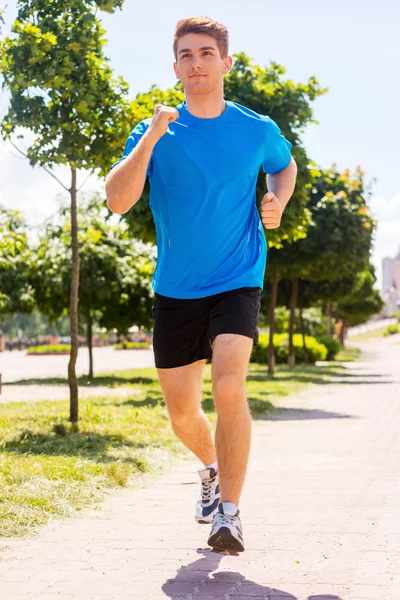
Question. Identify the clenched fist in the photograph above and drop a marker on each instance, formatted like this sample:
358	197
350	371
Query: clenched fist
271	211
162	117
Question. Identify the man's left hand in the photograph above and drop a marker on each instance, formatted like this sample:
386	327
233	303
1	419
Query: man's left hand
271	211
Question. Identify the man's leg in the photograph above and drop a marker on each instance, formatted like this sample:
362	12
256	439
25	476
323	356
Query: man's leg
231	354
181	387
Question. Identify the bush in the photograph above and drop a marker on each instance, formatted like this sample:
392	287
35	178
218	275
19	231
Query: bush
391	330
316	351
49	349
131	346
331	344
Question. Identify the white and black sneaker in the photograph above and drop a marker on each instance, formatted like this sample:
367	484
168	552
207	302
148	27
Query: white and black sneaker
207	505
226	533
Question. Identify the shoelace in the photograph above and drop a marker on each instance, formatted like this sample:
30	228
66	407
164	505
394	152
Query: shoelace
221	520
207	487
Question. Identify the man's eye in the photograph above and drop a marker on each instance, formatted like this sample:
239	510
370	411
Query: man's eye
207	52
185	55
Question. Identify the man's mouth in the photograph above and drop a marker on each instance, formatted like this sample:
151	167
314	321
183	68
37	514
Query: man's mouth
198	75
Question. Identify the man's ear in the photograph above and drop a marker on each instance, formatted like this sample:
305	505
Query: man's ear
228	62
176	70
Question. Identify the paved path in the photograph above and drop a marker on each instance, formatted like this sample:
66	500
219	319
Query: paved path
321	514
35	393
17	365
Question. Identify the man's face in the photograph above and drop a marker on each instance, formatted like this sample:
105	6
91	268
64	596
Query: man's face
199	64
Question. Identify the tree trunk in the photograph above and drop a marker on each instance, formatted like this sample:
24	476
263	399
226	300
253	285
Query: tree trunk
328	315
293	304
343	331
303	335
271	350
72	380
90	343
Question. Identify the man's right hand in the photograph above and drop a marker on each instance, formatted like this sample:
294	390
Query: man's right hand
162	117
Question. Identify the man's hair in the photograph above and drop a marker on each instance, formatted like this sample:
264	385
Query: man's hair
203	25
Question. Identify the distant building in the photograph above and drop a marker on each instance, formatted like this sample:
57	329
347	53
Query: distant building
391	284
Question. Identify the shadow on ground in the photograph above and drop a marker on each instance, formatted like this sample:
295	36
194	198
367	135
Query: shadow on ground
194	580
101	380
73	444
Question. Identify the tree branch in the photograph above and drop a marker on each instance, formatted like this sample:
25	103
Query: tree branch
81	186
43	167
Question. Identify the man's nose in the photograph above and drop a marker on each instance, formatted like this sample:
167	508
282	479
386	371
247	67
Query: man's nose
196	61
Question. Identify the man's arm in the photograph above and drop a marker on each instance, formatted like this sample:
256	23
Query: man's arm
281	186
125	183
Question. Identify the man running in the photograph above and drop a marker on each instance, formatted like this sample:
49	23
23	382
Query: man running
202	159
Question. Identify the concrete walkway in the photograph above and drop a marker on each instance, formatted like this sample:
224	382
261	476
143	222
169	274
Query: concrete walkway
36	393
17	365
321	514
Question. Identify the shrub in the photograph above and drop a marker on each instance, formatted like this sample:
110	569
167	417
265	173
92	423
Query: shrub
49	349
131	346
391	330
331	344
316	351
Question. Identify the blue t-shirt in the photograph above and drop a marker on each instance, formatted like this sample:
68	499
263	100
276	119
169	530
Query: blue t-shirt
203	175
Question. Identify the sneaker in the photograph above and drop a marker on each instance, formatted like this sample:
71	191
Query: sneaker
226	533
207	505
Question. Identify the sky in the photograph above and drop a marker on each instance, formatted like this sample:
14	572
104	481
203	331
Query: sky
352	48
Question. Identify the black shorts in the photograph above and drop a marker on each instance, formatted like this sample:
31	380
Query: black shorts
184	330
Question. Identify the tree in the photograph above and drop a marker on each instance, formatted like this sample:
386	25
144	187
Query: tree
338	241
63	92
16	294
115	272
363	301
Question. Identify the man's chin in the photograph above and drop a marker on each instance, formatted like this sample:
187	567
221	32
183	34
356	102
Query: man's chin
197	89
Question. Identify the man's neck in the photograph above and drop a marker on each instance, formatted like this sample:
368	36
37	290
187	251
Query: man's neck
205	106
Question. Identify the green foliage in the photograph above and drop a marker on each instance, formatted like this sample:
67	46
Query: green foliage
16	294
363	301
115	271
50	349
34	325
331	344
338	240
281	319
316	350
314	321
131	346
391	330
61	84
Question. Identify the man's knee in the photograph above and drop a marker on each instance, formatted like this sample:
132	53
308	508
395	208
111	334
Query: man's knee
228	387
183	418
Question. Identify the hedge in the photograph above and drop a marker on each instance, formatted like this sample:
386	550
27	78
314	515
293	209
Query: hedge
49	349
391	330
316	351
132	346
331	344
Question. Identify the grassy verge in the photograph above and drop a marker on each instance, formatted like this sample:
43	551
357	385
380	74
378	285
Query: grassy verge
348	354
50	469
368	335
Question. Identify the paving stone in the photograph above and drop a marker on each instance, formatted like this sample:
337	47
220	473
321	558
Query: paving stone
320	511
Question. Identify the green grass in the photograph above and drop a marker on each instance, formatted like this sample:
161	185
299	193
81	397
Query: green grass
348	354
49	468
368	335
